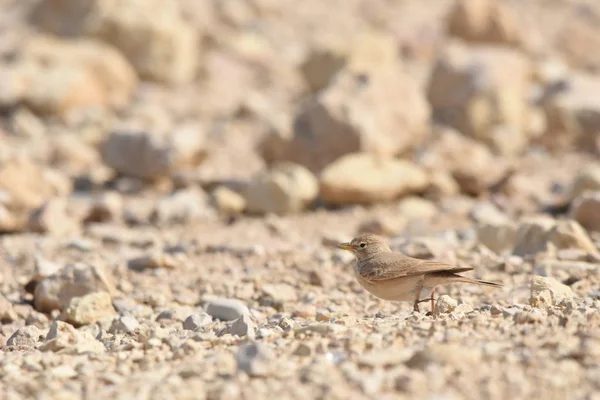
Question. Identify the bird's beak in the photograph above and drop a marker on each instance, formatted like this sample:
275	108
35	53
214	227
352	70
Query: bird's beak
345	246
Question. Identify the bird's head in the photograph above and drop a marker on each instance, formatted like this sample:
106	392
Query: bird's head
365	246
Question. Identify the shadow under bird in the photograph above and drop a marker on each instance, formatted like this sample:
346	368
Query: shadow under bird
396	277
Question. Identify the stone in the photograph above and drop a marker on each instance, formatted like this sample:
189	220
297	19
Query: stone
106	207
74	280
88	309
569	234
498	235
587	180
343	119
124	324
364	179
183	206
148	155
227	201
485	21
546	292
474	89
283	188
9	223
586	210
156	260
111	71
226	309
364	50
28	185
471	164
441	185
28	335
532	234
417	208
573	114
62	337
244	326
197	321
445	304
7	313
280	292
255	359
54	218
162	49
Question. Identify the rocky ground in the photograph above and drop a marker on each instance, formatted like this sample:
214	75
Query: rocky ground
174	176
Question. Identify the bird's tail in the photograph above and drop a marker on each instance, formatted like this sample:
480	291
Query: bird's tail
451	277
465	279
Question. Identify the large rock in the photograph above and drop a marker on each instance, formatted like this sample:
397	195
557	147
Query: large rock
284	188
546	292
586	210
226	309
471	164
570	234
153	155
183	206
28	335
74	280
497	234
364	50
532	234
380	111
365	178
573	114
164	49
53	217
478	89
587	180
111	71
28	185
88	309
484	21
63	338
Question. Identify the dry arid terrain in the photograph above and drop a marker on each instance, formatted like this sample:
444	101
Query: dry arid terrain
175	175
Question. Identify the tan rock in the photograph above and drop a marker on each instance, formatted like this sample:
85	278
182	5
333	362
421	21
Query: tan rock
546	292
284	188
570	235
363	51
365	178
54	218
183	206
574	114
587	180
532	235
227	201
578	40
75	280
107	206
485	21
88	309
66	339
164	49
28	335
29	185
478	88
586	210
498	235
446	304
110	69
344	118
152	155
471	164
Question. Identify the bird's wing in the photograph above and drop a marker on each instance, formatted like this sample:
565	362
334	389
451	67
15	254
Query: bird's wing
393	265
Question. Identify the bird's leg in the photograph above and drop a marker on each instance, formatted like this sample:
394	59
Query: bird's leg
418	294
433	300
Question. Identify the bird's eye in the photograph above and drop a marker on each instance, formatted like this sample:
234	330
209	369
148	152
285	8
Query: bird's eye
363	245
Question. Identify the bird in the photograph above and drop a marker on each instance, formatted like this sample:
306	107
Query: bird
397	277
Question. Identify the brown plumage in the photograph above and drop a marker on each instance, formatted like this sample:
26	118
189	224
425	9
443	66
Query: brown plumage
394	276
